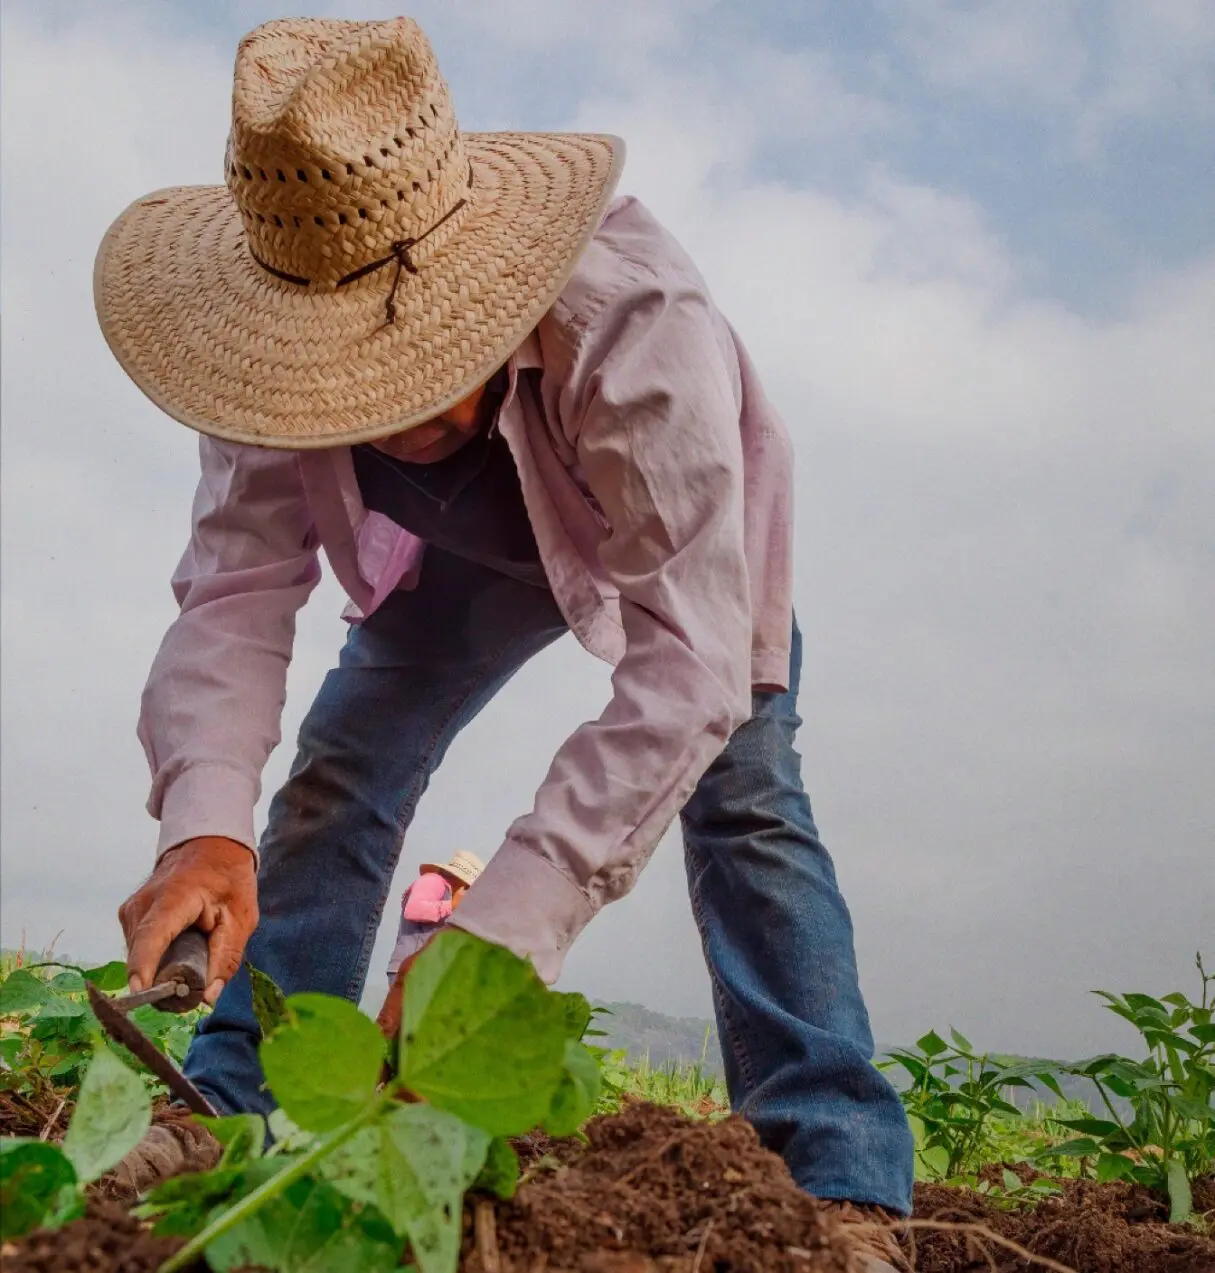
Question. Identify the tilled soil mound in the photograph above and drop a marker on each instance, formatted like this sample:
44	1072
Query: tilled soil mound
1092	1228
656	1193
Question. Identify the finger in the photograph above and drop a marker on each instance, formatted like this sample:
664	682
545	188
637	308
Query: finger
225	946
166	919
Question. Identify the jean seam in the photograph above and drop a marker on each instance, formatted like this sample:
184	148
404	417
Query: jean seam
459	701
741	1055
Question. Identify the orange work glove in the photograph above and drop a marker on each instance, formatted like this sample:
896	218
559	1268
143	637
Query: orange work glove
210	883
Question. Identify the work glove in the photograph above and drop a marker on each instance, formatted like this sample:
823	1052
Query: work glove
207	883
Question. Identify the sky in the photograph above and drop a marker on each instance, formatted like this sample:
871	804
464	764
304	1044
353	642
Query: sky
971	248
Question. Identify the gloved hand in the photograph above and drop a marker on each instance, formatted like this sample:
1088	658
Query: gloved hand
209	882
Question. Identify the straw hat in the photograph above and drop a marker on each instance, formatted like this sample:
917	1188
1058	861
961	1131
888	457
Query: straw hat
462	869
366	266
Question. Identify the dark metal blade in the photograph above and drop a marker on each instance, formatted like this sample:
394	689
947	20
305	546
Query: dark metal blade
154	994
116	1025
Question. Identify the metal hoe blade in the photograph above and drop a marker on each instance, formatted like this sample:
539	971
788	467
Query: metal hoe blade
114	1022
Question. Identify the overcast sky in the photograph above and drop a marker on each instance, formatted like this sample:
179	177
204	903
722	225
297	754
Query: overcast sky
972	249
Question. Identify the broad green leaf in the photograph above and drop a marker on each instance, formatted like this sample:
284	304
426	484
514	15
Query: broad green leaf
323	1063
500	1174
932	1044
56	1007
33	1178
112	1113
67	982
1203	1033
1177	999
1089	1126
1012	1182
481	1036
414	1165
243	1136
287	1136
576	1094
22	992
1114	1167
181	1205
1080	1147
111	977
1181	1199
1199	1111
310	1228
1145	1003
960	1041
577	1014
269	1002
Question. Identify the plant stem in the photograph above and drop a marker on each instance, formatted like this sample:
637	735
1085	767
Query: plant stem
271	1189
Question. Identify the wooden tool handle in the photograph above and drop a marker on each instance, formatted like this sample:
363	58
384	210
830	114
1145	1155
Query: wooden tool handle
185	961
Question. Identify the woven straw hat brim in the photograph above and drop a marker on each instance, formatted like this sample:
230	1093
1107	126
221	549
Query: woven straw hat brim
225	347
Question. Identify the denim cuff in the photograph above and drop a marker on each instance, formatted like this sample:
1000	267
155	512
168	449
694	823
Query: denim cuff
208	800
525	903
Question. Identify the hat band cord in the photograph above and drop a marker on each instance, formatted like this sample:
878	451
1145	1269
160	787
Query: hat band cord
399	252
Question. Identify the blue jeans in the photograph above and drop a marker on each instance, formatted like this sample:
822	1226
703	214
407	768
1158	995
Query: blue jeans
777	935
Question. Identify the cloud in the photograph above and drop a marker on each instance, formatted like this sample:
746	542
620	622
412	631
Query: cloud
1006	565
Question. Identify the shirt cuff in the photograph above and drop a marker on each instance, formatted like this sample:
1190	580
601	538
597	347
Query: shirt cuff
208	800
525	903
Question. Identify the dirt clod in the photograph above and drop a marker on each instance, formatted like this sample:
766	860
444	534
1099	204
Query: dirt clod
106	1240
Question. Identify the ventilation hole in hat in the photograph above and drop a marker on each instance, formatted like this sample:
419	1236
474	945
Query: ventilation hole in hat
247	174
434	110
319	220
367	159
301	174
326	175
350	170
363	213
397	142
262	172
384	151
470	174
400	194
410	133
261	218
278	221
297	222
282	176
416	186
341	218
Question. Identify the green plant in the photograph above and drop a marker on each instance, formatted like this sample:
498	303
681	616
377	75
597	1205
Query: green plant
355	1175
1168	1140
47	1027
954	1096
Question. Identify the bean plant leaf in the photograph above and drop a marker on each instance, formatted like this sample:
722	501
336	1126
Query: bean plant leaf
269	1002
112	1113
21	992
323	1063
577	1014
1114	1167
309	1228
33	1178
481	1036
932	1044
243	1136
1181	1198
576	1094
414	1166
111	977
500	1173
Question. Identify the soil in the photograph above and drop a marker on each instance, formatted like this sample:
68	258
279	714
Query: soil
653	1192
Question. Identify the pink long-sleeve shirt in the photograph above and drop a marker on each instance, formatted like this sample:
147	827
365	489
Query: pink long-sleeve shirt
658	480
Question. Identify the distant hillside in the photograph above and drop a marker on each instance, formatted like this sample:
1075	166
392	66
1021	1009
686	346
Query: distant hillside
664	1040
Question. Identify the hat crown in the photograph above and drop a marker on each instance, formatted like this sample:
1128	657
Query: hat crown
343	143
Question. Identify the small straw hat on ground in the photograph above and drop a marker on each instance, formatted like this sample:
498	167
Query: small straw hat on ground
463	868
366	265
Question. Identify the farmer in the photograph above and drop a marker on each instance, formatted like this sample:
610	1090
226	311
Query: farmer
505	406
430	900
